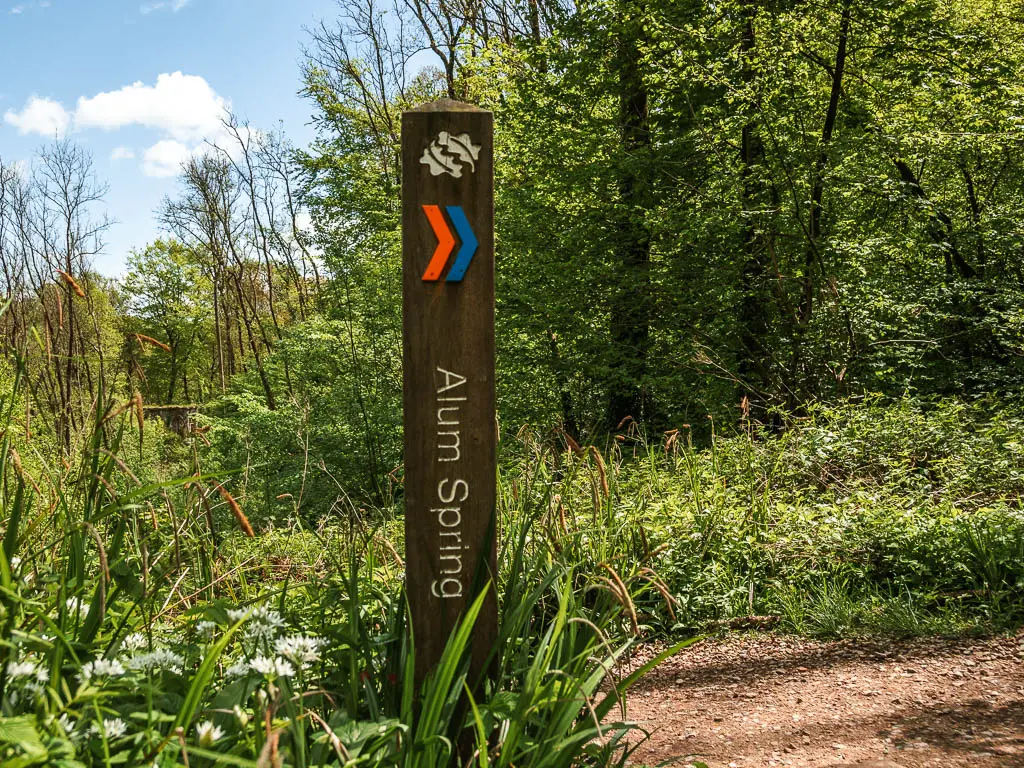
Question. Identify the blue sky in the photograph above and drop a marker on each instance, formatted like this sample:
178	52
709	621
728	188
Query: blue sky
139	83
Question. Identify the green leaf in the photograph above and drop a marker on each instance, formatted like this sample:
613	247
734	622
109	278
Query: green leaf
20	732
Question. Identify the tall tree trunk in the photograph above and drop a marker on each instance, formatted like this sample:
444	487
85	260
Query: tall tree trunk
64	420
975	205
812	259
968	323
631	303
250	335
174	370
755	362
564	395
940	226
217	331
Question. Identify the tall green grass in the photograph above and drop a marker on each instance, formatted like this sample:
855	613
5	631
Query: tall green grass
135	629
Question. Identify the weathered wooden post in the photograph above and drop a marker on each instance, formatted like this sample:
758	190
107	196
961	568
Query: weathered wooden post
448	334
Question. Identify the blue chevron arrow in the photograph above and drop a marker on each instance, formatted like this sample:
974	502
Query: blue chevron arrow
468	247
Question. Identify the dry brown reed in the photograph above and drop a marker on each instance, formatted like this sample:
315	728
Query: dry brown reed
144	340
236	510
72	283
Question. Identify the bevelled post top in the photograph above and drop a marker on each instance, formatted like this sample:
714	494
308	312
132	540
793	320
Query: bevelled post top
446	105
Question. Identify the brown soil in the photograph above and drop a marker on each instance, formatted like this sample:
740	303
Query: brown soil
748	701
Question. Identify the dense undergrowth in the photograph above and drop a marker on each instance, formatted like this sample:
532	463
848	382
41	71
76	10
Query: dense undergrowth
136	630
871	517
902	518
140	626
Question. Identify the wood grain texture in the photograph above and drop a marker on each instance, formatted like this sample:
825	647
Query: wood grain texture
449	326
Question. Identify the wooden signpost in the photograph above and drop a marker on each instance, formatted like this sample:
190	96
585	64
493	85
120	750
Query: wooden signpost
448	335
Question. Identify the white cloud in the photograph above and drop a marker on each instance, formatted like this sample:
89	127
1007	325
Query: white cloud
22	7
185	112
169	5
183	106
42	116
165	158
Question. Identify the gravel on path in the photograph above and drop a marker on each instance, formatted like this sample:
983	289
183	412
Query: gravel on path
768	700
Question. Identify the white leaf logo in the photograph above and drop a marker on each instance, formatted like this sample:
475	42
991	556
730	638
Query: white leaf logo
450	154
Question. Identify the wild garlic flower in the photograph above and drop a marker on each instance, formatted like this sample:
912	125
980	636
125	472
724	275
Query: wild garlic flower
100	668
265	625
275	667
68	726
157	660
208	734
114	728
27	669
205	629
235	615
238	669
76	605
300	649
268	616
136	641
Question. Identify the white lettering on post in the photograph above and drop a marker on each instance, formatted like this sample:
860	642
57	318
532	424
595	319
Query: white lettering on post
452	491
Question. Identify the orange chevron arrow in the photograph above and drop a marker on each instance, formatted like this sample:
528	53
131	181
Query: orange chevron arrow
445	242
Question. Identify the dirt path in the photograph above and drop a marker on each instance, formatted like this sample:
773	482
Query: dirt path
751	701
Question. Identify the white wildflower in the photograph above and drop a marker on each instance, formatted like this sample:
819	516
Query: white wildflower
21	669
265	625
275	667
68	726
301	649
157	660
268	616
235	615
76	605
136	641
205	629
114	728
28	577
100	668
208	734
238	669
260	632
37	676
